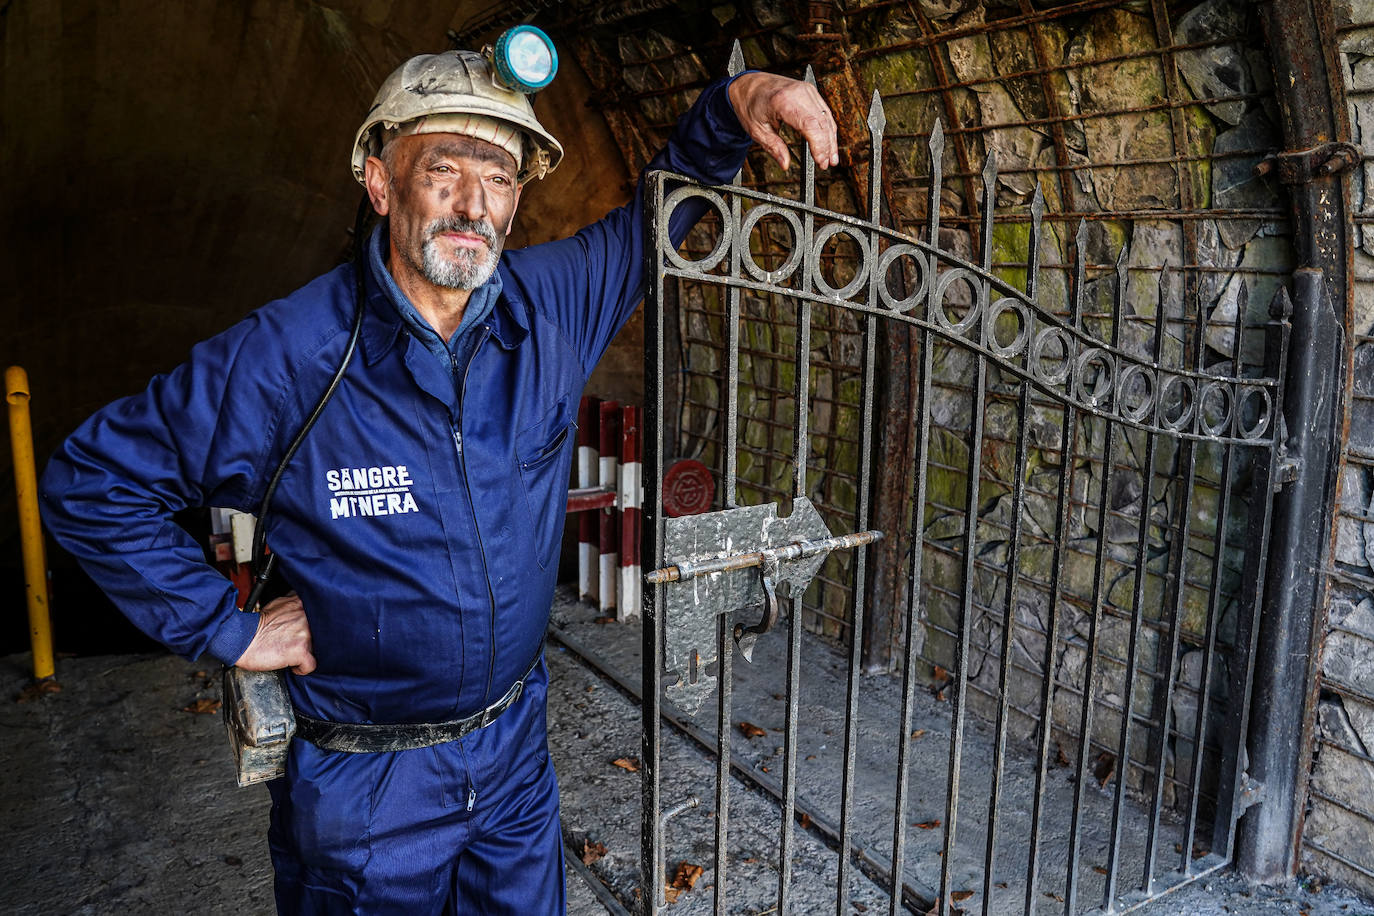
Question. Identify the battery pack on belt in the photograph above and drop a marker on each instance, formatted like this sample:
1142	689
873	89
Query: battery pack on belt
363	738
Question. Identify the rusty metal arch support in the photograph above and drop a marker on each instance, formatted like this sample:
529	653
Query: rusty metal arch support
1313	120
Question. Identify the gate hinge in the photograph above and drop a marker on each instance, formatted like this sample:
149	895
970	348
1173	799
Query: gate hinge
1251	793
1303	166
1287	471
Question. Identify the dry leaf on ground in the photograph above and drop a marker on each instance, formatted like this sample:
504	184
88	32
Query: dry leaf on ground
928	825
203	707
591	851
750	730
627	763
684	879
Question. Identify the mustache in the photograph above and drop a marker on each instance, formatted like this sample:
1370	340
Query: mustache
480	228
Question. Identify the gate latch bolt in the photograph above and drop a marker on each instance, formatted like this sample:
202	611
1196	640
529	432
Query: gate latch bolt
746	637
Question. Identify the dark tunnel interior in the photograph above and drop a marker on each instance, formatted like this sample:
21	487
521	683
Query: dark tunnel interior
172	166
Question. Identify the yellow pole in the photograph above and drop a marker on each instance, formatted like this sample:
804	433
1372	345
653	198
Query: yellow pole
30	530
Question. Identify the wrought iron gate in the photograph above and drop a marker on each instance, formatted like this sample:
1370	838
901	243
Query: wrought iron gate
1083	533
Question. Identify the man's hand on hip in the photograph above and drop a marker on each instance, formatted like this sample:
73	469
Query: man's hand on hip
763	102
282	640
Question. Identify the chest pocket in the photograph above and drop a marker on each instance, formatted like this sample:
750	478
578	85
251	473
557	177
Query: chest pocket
544	475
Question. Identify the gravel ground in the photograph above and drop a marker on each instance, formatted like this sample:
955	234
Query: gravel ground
119	800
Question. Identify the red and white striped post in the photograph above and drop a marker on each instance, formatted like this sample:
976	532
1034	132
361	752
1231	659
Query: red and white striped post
608	522
610	496
630	498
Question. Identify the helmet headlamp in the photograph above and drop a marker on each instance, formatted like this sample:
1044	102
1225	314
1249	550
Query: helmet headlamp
524	59
462	92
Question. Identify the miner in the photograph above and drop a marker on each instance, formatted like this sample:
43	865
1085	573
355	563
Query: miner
419	521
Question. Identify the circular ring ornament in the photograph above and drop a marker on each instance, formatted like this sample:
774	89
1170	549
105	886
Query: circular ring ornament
1187	392
1063	363
746	228
1018	344
1137	412
942	285
1266	416
885	262
1105	382
1210	390
717	253
818	243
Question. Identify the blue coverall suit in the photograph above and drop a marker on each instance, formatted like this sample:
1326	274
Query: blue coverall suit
420	525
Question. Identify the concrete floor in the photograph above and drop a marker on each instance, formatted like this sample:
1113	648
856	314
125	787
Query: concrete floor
118	800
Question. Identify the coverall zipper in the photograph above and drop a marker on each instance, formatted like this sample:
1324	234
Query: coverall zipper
472	505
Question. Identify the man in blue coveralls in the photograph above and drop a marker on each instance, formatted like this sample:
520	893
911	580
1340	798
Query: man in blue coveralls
420	521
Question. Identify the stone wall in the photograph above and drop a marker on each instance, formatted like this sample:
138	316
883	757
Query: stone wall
1154	148
1338	837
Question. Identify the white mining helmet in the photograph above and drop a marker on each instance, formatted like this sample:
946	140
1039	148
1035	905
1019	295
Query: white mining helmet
469	93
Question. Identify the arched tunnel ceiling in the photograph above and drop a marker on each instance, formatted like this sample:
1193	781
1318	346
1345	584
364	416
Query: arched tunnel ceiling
172	165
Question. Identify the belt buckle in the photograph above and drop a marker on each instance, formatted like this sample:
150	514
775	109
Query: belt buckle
506	702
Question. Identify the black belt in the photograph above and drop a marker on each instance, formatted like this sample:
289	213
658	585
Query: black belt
364	738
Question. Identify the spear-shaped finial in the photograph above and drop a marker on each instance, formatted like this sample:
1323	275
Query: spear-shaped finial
990	175
937	154
736	65
877	117
1037	207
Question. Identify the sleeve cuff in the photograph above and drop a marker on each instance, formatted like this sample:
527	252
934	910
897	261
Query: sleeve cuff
722	114
232	638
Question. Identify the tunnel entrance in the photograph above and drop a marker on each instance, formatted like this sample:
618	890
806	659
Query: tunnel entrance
1082	532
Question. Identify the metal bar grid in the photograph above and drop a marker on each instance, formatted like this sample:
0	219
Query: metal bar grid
777	428
1083	403
769	395
827	614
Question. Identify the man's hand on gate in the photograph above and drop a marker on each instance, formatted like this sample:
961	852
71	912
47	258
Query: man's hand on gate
282	640
764	102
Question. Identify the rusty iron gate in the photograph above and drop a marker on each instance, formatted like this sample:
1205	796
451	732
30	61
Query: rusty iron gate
1063	789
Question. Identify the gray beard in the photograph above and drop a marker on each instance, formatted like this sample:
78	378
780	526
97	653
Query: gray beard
468	269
